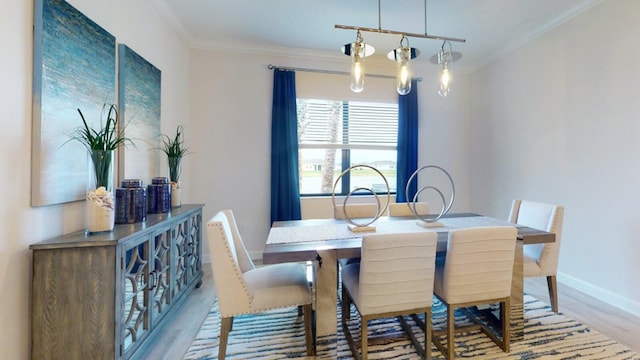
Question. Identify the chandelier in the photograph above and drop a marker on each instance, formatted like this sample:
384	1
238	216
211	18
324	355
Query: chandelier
402	55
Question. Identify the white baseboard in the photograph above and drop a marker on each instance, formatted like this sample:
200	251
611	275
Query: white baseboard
256	256
607	296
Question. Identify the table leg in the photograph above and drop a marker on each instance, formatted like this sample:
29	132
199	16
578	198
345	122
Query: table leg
326	293
517	296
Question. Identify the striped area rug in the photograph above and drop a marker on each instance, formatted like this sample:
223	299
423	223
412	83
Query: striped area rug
280	335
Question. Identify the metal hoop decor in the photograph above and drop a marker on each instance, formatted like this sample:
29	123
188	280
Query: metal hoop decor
445	208
380	211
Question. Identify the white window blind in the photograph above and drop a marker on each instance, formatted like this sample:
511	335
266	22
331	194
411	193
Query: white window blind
347	124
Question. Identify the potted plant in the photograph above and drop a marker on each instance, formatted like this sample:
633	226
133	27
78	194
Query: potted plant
101	144
175	149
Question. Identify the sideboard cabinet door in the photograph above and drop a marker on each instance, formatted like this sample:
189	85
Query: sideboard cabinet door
73	303
135	283
187	245
160	287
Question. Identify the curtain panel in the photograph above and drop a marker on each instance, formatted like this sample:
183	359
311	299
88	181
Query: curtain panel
407	162
285	188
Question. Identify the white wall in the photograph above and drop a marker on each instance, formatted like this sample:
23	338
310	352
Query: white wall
559	121
22	225
231	110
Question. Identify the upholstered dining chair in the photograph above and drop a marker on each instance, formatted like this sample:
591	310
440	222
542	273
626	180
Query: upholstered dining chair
402	209
476	270
540	259
393	278
242	288
355	211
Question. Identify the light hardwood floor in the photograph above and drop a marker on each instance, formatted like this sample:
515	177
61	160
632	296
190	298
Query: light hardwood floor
619	325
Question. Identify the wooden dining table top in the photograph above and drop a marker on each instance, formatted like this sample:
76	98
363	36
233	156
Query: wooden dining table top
299	240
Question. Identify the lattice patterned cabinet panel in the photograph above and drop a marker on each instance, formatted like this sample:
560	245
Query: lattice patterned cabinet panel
135	312
194	252
187	236
161	275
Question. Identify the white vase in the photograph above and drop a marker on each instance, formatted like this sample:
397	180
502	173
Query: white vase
175	194
100	208
99	218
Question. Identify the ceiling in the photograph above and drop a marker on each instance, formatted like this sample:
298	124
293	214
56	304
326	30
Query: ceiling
491	27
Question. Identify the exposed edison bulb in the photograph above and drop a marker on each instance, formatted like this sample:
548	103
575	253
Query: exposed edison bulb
445	59
403	84
445	80
357	74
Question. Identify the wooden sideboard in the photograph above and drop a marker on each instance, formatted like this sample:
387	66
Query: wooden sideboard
102	296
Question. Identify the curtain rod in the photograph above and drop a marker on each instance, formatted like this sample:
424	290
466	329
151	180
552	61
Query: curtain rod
334	72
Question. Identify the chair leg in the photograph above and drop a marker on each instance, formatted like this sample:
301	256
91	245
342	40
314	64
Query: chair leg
427	334
346	308
308	331
505	318
451	323
553	292
364	348
225	328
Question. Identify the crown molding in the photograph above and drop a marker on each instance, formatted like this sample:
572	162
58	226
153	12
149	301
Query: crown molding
537	33
173	20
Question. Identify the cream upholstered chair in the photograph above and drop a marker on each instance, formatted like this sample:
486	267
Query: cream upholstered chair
402	209
242	288
540	259
394	278
477	270
355	211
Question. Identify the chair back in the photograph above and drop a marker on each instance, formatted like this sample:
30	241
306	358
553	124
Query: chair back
541	216
355	211
404	209
396	272
242	255
231	288
479	264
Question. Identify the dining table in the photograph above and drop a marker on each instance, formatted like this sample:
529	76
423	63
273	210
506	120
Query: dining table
324	241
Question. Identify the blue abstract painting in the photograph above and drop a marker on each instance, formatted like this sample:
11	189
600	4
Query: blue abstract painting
74	68
139	101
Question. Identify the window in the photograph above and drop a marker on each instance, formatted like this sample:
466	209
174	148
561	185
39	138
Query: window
334	135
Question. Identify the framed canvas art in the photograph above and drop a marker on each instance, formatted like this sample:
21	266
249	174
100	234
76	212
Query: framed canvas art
139	102
74	68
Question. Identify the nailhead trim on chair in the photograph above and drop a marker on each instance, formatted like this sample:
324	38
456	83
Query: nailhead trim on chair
236	273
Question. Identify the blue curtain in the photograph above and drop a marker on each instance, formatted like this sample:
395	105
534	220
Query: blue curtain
285	189
407	143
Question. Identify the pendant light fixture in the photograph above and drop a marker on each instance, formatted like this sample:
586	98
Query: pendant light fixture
402	55
357	51
444	58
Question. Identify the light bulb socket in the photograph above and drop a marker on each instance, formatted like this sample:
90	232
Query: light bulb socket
358	48
352	49
401	54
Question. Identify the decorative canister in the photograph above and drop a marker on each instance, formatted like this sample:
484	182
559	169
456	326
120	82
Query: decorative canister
159	195
131	202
